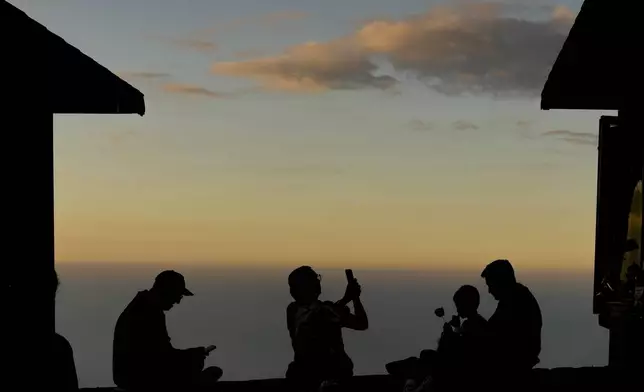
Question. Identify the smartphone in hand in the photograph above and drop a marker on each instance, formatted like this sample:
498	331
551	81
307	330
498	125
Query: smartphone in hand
349	274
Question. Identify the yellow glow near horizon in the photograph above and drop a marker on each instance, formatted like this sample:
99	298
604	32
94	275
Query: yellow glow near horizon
378	235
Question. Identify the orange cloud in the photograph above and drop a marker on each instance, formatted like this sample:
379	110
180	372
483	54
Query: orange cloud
472	48
563	14
179	88
311	67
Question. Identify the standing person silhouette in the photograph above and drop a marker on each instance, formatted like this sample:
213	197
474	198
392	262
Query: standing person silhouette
315	328
143	357
515	326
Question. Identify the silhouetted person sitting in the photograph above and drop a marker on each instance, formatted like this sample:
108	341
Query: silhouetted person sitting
143	357
461	349
315	328
515	326
64	368
463	345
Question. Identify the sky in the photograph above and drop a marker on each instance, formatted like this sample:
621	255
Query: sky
374	133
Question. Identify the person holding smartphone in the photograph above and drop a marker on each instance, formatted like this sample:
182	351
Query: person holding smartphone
143	357
315	328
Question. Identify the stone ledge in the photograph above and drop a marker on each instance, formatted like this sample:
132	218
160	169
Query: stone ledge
556	379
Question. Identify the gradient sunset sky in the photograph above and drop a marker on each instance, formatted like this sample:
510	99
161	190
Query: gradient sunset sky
374	133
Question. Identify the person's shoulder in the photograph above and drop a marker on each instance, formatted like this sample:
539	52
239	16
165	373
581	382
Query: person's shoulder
526	293
138	304
142	297
479	319
523	289
60	339
526	301
475	322
61	344
141	310
522	293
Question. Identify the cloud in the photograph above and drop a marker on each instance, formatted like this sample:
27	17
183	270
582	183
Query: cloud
161	81
580	138
419	125
195	44
311	67
144	75
462	125
563	13
180	88
471	48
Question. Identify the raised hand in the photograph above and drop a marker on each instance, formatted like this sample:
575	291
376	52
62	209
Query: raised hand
352	291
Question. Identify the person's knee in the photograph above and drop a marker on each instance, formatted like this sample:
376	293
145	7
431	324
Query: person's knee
213	373
428	355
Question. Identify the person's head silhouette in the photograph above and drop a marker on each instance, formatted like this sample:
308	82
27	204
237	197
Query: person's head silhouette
500	279
467	300
169	288
304	284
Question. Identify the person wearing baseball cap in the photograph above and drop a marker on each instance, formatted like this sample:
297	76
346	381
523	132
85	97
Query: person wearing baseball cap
171	287
143	357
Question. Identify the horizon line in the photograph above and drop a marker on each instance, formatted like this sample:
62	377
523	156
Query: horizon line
403	267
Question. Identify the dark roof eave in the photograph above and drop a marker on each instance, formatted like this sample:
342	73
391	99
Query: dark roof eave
581	102
76	84
82	85
591	70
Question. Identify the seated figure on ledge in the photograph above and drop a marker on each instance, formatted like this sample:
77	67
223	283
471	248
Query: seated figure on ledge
315	327
143	357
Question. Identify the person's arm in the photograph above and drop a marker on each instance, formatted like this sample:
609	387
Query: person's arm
358	321
290	310
162	348
447	340
70	377
361	321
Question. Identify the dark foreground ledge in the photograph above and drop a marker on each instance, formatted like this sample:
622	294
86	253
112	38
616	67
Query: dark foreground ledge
557	379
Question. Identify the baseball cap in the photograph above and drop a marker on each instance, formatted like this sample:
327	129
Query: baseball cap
172	280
